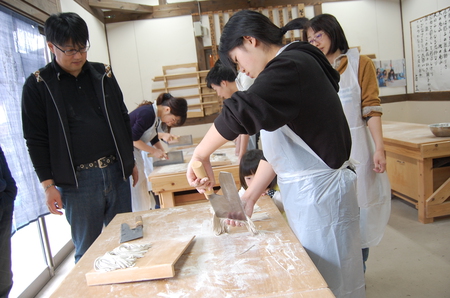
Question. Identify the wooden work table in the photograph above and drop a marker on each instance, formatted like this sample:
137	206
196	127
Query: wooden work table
418	167
272	263
168	179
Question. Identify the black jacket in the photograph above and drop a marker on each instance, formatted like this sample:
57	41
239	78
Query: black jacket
46	128
297	88
8	188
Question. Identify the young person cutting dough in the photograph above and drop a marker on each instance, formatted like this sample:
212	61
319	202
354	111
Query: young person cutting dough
306	140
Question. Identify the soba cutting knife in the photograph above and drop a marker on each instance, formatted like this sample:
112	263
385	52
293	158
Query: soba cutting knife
227	206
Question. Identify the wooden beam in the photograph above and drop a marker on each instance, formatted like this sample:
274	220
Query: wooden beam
199	48
121	6
317	9
191	7
96	12
423	96
115	16
37	11
47	6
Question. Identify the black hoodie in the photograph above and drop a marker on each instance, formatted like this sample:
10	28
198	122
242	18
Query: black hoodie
46	127
297	88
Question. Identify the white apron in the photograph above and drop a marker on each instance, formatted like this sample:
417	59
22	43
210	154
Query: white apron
322	209
373	189
141	200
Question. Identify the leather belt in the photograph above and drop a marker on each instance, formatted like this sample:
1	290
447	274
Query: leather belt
99	163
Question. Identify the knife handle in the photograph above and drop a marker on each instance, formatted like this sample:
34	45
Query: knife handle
199	170
139	221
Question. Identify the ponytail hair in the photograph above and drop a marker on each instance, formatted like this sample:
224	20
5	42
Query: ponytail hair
254	24
178	106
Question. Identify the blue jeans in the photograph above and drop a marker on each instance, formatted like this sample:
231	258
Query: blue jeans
101	194
6	215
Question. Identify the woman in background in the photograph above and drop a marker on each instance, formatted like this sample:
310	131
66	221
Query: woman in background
359	96
306	139
145	120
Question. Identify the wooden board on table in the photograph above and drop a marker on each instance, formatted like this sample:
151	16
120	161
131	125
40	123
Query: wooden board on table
224	161
158	262
220	163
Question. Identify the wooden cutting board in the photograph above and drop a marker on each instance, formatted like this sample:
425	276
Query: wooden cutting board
219	159
214	163
157	263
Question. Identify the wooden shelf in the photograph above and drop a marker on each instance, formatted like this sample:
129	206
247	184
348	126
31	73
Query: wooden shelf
191	86
185	75
209	103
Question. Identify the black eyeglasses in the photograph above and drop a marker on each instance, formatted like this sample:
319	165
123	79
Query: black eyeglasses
73	51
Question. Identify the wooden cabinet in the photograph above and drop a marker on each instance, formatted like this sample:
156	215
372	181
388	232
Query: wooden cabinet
170	184
403	172
418	167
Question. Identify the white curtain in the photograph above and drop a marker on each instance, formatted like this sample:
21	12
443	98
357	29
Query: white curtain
22	51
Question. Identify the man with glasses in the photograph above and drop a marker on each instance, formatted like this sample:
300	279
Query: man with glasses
78	133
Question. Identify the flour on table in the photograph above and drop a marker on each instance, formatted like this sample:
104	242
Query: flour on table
260	216
218	157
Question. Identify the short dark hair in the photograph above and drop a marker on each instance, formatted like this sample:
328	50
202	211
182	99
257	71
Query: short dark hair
66	26
330	25
219	73
249	164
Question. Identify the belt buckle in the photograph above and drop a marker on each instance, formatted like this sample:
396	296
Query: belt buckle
102	162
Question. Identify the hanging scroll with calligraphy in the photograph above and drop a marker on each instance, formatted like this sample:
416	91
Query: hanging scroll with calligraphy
430	36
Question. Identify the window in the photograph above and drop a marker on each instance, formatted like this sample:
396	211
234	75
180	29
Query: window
36	247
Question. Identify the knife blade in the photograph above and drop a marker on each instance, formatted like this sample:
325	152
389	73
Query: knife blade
227	206
128	234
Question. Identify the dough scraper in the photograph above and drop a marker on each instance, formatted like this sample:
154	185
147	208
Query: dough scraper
180	141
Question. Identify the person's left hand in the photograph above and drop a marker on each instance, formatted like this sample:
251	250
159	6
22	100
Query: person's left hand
248	207
167	137
379	159
135	175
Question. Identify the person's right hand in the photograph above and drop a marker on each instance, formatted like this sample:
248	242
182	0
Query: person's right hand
200	183
54	202
158	153
167	137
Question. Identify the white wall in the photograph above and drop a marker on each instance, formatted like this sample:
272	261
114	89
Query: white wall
375	26
97	35
139	49
412	10
417	111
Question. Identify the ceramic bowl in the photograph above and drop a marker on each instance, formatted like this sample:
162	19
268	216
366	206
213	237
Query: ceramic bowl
440	129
